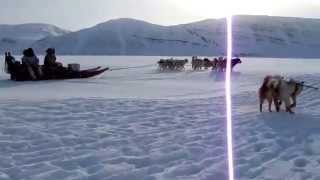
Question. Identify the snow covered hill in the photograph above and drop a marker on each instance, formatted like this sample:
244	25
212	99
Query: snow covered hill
276	36
263	36
253	36
16	37
134	37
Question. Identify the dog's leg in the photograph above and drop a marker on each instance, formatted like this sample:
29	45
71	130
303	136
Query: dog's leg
294	100
270	103
261	102
289	110
287	103
277	104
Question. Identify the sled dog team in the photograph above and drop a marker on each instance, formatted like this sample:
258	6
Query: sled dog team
217	64
172	64
277	90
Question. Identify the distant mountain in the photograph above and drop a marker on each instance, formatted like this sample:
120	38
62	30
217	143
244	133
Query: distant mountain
17	37
265	36
134	37
276	36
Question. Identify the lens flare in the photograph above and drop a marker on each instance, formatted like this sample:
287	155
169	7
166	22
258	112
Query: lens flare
228	98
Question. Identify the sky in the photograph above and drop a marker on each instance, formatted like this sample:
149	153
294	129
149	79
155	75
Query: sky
77	14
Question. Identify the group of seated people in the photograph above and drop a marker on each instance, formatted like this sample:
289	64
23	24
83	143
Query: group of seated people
31	62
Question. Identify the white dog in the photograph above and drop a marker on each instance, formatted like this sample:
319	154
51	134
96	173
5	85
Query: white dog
289	89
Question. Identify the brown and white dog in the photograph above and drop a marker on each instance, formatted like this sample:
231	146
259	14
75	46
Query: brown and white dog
276	89
268	91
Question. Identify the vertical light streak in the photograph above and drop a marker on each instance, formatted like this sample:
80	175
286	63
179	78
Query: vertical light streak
228	99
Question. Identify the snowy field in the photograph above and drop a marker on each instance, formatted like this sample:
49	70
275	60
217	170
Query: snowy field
140	124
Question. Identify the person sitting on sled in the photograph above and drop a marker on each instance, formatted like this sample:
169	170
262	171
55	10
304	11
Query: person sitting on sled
31	62
51	66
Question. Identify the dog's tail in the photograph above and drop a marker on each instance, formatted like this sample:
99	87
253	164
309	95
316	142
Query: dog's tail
273	83
269	83
264	88
265	85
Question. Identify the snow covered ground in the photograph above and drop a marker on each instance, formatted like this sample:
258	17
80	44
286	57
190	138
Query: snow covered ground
142	124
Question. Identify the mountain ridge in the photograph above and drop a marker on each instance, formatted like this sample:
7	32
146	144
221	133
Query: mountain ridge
16	37
254	35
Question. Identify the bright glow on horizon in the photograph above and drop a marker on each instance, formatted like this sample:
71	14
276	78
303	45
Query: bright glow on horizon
79	14
228	99
218	9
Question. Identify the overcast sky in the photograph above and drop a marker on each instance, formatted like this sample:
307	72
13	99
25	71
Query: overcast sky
77	14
